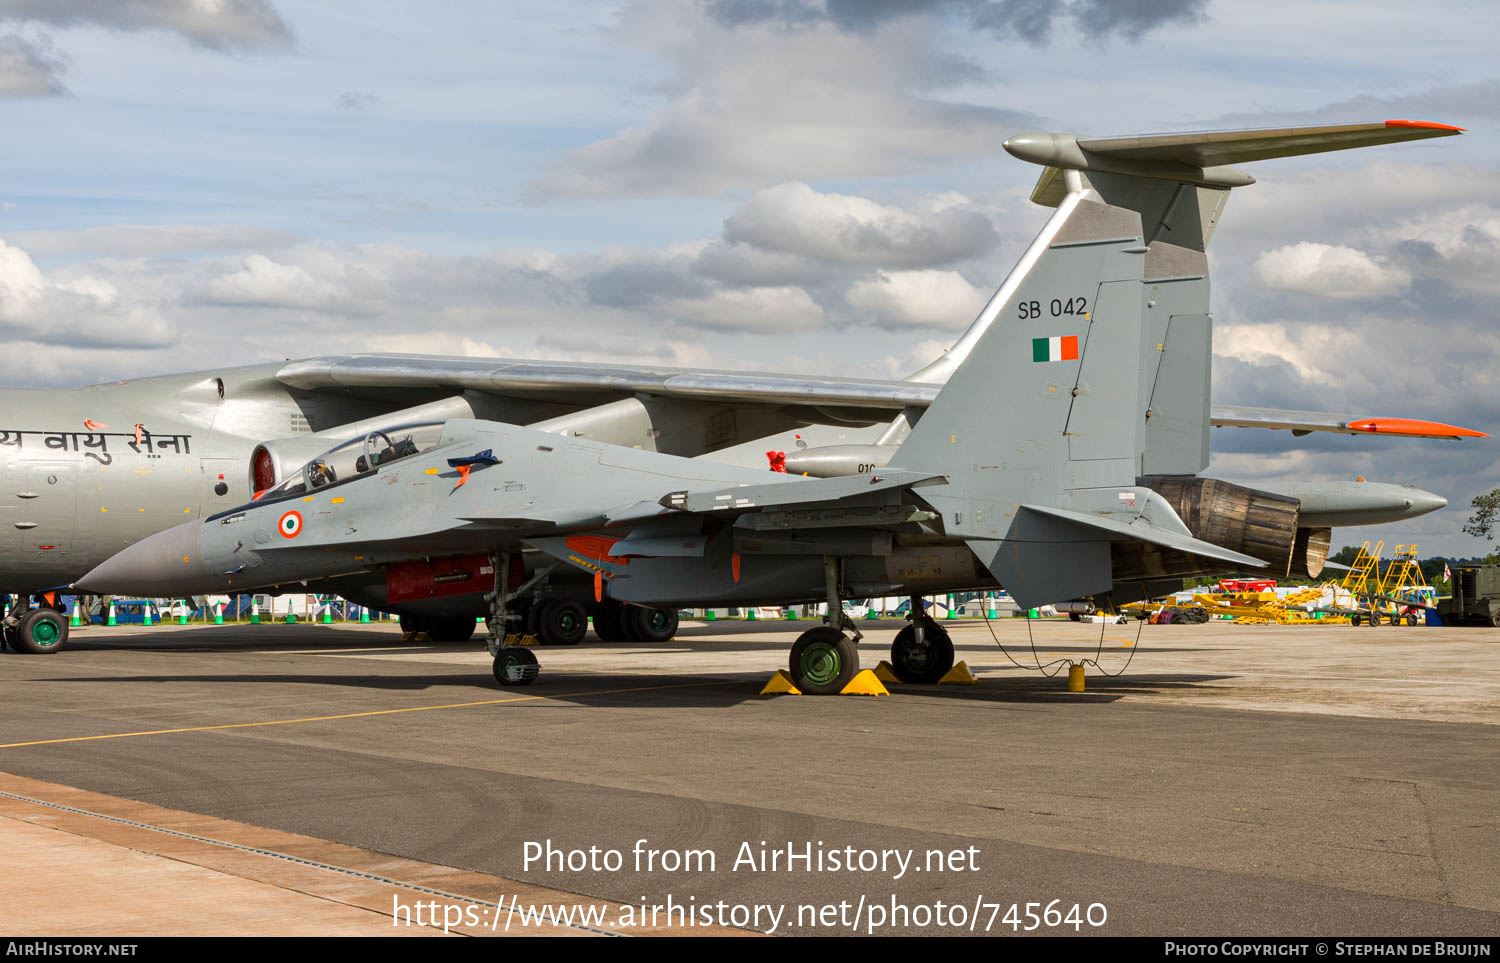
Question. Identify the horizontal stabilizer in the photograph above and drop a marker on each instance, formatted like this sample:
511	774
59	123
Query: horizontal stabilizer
1216	147
1141	529
1200	157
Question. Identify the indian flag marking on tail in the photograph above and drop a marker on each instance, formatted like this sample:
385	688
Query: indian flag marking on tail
1063	348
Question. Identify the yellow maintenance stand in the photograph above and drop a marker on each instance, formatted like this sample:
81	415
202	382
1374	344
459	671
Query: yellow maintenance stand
1372	594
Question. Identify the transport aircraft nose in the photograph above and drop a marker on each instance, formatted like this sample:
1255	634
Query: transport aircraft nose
167	563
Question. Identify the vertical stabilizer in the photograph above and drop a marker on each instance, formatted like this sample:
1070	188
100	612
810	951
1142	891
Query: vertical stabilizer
1050	399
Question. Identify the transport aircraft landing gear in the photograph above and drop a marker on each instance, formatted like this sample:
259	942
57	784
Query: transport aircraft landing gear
649	625
923	651
824	659
617	622
561	622
40	631
608	621
439	629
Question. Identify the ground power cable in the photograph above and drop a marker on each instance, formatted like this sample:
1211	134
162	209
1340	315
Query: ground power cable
1042	668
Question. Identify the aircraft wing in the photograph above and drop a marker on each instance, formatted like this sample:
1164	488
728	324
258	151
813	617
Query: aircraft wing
586	382
564	379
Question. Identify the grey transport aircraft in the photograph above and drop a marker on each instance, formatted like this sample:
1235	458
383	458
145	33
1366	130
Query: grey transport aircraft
1055	450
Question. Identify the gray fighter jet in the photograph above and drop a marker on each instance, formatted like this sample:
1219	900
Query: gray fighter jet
1059	460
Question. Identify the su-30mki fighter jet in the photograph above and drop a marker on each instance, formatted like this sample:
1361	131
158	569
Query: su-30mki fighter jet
86	473
1059	460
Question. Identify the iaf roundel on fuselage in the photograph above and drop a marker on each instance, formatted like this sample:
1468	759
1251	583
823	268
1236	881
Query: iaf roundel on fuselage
290	524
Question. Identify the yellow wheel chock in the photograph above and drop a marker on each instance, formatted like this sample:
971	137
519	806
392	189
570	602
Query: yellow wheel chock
959	675
780	684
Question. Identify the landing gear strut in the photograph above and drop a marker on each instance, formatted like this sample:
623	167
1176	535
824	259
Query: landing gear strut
922	652
824	658
514	664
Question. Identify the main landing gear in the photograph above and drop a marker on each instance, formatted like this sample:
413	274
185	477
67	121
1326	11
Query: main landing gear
825	658
922	652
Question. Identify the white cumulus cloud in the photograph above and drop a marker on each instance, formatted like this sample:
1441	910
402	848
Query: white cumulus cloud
86	311
844	228
939	299
1329	271
265	283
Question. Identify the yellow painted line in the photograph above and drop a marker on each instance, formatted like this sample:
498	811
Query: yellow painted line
351	715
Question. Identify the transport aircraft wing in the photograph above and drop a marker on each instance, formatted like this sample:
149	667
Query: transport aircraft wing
584	382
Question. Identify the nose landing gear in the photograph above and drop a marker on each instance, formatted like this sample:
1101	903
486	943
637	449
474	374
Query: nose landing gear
514	664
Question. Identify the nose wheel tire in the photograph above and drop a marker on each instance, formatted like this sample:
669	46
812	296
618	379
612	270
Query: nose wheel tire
515	665
925	663
561	622
823	661
41	632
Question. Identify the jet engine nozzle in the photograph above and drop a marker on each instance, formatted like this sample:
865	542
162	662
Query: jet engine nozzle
1257	523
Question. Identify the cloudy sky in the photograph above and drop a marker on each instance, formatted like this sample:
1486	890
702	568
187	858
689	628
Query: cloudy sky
808	185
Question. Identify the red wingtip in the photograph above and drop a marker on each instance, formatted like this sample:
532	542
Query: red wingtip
1412	427
1424	123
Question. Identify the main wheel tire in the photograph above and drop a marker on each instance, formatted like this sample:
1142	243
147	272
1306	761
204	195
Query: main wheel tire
41	632
609	621
512	655
561	622
451	630
926	663
823	661
412	624
1075	616
650	626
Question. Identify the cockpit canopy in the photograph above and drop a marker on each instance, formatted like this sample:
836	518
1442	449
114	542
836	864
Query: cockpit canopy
360	456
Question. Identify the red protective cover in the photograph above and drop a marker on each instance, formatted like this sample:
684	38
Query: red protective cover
435	578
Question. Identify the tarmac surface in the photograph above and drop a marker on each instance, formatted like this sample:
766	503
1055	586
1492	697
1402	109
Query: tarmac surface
1234	780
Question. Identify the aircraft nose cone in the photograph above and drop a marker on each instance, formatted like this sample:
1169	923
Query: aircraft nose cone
167	563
